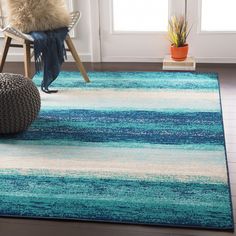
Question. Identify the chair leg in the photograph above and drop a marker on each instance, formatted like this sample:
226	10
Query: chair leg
27	60
75	55
7	44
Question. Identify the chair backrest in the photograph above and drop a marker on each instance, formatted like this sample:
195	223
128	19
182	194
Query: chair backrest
3	17
74	19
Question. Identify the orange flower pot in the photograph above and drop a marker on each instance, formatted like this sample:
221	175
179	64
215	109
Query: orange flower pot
179	53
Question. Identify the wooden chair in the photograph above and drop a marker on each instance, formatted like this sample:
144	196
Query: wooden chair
26	42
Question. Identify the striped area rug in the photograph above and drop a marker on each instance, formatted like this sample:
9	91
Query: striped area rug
130	147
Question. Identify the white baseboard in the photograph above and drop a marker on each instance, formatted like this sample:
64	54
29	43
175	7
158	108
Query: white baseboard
87	57
18	57
229	60
158	59
131	59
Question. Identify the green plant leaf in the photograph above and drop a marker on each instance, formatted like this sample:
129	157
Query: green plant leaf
178	31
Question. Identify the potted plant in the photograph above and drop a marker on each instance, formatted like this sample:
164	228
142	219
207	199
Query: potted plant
178	32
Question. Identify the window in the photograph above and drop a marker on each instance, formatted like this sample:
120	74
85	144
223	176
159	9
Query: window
218	15
140	15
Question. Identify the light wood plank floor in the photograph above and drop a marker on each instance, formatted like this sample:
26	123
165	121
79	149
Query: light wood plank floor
227	75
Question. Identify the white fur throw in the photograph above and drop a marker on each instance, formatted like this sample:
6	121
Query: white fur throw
38	15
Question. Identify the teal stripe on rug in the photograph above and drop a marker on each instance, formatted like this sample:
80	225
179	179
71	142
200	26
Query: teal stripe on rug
135	201
136	80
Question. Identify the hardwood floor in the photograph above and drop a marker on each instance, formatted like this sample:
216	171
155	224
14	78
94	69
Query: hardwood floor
227	75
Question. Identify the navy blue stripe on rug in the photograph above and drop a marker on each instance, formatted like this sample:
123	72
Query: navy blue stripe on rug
131	126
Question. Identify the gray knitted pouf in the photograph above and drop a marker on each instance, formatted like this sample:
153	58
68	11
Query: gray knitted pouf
19	103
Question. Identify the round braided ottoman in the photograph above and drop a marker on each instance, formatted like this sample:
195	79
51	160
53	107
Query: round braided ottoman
19	103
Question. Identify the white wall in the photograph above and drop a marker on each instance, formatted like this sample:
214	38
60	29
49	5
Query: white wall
83	30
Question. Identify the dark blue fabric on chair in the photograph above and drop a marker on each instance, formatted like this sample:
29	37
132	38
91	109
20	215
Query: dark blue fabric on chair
50	53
